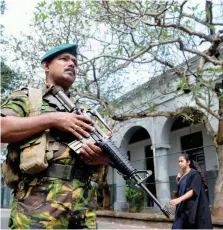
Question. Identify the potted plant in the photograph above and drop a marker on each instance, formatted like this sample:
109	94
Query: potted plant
134	196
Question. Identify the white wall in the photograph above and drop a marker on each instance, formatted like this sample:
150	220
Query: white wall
111	178
137	153
211	159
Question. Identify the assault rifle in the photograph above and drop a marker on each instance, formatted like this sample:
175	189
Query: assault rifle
56	97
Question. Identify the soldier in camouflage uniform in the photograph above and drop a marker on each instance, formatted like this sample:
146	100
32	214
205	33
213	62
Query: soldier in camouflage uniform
48	199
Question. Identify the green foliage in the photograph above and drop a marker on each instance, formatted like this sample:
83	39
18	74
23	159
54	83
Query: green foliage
183	84
221	98
9	80
134	196
152	108
194	8
2	6
114	28
119	51
4	149
57	22
166	34
215	70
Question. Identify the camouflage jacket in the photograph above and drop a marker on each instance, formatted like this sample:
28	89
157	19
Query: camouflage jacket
19	106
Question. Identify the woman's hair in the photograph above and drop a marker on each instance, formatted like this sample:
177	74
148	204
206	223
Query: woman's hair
194	165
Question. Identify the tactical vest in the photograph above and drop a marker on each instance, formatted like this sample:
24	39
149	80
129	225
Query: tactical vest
32	155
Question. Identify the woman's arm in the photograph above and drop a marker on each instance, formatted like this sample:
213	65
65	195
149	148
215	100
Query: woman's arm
186	196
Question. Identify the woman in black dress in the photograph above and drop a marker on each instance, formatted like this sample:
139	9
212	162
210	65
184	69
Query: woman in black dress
192	206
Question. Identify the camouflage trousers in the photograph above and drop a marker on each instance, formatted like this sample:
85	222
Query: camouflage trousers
50	203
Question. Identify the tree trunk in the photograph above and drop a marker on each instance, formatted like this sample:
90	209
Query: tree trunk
218	201
106	197
106	190
218	191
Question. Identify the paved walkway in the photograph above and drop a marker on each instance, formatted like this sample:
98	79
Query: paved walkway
124	220
152	218
102	223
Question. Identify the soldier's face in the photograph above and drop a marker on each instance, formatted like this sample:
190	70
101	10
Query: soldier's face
62	70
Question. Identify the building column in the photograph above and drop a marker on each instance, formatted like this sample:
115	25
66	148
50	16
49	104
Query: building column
120	203
161	173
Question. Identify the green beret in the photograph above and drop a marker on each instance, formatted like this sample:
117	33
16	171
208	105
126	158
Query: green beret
69	48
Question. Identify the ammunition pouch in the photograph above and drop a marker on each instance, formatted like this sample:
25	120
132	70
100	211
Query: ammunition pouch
36	153
32	156
10	166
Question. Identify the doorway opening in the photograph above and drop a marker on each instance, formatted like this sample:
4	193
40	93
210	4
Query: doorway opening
150	182
192	144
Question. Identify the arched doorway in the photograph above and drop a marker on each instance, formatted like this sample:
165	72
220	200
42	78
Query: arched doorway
142	151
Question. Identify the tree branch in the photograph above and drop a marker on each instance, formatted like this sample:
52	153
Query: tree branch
166	63
200	65
93	97
140	53
185	111
181	11
209	128
209	16
95	79
207	109
182	28
202	54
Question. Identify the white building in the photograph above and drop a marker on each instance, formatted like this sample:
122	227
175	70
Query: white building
156	143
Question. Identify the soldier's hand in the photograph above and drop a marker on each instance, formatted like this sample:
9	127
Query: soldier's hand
78	125
91	154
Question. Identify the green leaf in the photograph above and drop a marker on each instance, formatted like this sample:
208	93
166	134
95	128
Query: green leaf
119	51
152	108
215	70
111	3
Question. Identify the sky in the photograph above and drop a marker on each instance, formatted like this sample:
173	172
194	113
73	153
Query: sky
16	19
18	14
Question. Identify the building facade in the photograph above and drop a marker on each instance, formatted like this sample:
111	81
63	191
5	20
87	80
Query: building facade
155	143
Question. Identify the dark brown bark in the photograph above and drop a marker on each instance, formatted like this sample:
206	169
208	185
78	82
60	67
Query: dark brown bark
106	197
218	201
218	191
106	190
